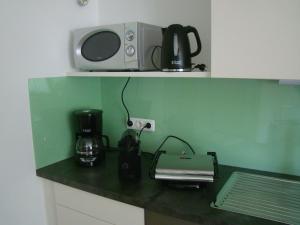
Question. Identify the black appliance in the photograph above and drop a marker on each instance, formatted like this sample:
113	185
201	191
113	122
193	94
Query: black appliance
176	52
90	149
130	156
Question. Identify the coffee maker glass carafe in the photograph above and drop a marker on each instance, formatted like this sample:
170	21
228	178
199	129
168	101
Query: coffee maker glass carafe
90	149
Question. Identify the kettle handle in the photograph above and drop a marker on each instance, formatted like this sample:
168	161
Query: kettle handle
193	30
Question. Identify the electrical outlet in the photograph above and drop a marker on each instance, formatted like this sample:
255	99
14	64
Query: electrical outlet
139	123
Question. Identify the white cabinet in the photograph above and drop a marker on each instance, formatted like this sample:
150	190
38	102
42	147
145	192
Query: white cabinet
70	206
256	39
66	216
163	13
141	74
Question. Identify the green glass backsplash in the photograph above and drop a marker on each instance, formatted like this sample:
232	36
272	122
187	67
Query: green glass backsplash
52	101
249	123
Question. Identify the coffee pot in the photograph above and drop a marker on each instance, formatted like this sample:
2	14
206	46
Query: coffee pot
176	52
90	149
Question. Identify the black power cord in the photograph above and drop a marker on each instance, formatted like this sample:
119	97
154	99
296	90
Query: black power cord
152	57
154	162
158	152
147	125
129	122
172	136
200	67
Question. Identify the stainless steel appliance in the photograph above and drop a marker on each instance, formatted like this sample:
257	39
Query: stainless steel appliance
176	52
90	149
125	46
193	168
183	170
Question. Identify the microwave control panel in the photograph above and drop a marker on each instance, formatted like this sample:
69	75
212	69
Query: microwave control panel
131	45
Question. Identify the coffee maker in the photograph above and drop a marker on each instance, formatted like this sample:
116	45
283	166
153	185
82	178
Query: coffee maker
130	156
90	149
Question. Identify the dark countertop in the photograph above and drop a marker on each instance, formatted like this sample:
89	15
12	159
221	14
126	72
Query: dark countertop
153	196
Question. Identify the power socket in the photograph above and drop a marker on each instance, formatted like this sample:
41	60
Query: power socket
139	123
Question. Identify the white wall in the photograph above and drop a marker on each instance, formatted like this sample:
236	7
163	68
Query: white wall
196	13
34	41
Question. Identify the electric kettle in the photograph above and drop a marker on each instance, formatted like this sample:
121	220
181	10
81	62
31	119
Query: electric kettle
176	52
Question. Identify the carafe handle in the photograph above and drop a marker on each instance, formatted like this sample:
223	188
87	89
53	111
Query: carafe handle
193	30
106	138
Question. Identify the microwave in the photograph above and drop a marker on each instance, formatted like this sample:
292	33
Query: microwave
117	47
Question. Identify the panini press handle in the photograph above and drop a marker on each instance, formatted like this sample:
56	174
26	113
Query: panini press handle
154	163
216	164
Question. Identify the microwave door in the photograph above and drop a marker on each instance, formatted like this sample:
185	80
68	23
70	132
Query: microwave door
102	49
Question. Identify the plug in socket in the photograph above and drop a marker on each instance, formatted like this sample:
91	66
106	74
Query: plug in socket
139	123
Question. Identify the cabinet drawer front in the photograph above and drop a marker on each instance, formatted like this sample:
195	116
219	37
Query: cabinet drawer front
98	207
67	216
152	218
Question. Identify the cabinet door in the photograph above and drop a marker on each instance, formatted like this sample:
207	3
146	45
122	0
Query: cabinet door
66	216
256	39
100	208
153	218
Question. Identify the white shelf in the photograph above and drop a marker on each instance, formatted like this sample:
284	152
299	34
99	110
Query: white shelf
140	74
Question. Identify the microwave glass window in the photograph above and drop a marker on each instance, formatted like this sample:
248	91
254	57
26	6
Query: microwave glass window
101	46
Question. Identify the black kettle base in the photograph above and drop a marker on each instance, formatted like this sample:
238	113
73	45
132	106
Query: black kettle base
177	70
